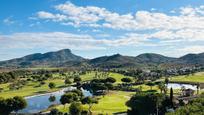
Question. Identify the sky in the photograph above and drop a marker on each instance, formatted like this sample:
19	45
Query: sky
93	28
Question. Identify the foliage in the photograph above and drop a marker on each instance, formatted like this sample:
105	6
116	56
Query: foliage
145	103
75	108
7	77
52	85
68	98
67	81
166	80
12	104
77	79
126	80
55	112
52	98
19	103
78	92
110	80
171	96
195	107
162	87
90	101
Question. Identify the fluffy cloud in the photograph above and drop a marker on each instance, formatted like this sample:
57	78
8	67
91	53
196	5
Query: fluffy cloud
52	40
192	49
185	25
70	14
54	17
60	40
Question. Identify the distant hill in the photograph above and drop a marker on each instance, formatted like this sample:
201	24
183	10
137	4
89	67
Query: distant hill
192	59
46	59
114	61
154	58
143	60
65	58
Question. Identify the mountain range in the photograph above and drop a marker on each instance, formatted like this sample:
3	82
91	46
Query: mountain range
65	58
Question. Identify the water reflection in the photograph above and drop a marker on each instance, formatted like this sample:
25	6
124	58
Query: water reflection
41	102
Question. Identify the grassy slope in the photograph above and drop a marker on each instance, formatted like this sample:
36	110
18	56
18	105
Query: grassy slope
30	88
90	76
197	77
113	102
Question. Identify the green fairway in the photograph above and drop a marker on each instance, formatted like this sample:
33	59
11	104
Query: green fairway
30	89
113	102
197	77
146	87
90	76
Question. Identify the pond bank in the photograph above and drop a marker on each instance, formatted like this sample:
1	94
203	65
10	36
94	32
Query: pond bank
41	102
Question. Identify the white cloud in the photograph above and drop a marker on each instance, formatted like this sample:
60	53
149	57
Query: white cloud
60	40
8	21
187	25
70	14
192	49
50	40
183	25
48	15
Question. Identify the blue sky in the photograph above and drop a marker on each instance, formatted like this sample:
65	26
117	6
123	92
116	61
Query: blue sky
93	28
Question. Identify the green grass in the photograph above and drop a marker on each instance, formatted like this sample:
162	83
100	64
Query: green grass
90	76
113	102
30	89
146	87
197	77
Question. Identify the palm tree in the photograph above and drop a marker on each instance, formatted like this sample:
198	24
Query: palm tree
166	80
162	87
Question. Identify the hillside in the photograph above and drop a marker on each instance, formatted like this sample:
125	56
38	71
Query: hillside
114	61
46	59
65	58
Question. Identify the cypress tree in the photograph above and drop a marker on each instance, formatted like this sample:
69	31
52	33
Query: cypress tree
171	96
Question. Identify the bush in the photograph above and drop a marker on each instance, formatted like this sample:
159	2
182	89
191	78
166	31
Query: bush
51	85
12	104
75	108
55	112
126	80
77	79
111	80
67	81
84	112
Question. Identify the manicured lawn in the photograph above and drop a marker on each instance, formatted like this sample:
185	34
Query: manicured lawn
30	89
90	76
113	102
146	87
197	77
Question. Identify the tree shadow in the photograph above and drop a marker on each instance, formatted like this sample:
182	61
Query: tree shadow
39	92
120	113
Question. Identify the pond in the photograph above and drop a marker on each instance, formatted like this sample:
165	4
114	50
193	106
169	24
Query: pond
179	86
41	102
